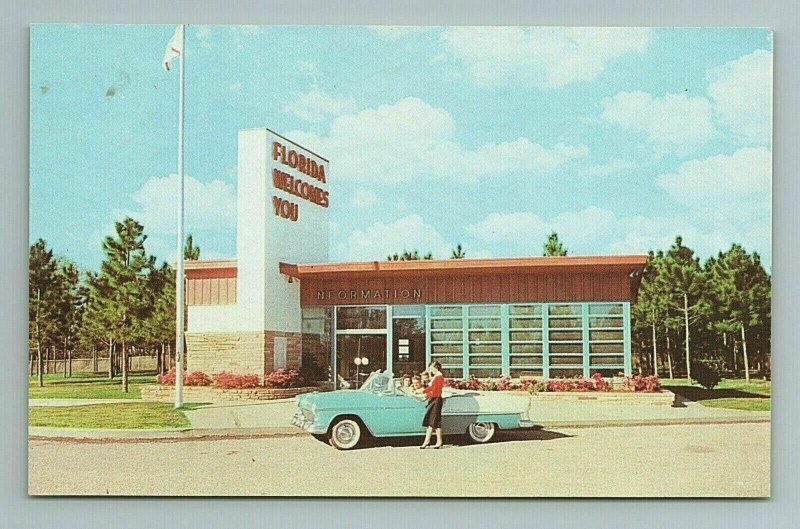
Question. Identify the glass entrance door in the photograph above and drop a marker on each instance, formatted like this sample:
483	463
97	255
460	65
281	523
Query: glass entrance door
369	349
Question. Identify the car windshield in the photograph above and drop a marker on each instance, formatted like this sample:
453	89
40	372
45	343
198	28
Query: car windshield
378	382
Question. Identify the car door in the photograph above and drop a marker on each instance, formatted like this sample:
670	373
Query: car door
405	413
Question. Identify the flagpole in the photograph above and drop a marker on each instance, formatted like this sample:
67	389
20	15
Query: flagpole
179	279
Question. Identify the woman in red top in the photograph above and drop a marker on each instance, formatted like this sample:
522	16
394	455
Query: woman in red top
433	412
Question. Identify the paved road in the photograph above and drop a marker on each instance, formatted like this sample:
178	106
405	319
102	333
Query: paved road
688	460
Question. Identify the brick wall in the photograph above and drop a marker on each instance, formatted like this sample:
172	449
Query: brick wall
239	352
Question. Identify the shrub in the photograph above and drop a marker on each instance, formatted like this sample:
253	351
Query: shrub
227	380
471	384
283	378
705	375
642	383
195	378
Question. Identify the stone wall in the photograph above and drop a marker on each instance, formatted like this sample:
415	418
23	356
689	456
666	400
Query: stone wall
239	352
157	393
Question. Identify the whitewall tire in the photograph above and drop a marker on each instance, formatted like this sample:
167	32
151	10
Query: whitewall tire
481	432
345	434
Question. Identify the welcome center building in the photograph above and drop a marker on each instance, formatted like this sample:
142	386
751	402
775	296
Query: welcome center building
281	304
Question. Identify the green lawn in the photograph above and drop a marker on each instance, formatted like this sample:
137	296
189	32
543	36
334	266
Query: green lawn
134	415
87	386
736	394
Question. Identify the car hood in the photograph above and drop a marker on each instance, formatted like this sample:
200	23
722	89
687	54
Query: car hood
330	399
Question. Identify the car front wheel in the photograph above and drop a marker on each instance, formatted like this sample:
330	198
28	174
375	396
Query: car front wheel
481	432
345	434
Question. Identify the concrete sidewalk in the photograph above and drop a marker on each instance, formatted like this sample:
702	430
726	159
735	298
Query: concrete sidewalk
272	418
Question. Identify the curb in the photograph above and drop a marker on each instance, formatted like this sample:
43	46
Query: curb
85	435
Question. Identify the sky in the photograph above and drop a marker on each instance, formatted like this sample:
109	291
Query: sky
618	139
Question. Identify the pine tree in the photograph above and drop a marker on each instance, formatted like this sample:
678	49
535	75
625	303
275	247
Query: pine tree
682	283
190	251
44	295
125	276
553	247
650	309
742	288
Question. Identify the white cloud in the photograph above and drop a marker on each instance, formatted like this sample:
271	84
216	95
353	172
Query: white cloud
611	168
595	230
398	32
411	139
543	57
406	233
673	121
209	206
364	198
724	184
235	86
742	94
315	106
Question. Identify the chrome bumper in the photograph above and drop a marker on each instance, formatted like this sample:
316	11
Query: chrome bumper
526	424
307	424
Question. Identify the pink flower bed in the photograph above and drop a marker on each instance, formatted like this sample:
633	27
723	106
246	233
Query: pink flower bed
282	378
195	378
594	383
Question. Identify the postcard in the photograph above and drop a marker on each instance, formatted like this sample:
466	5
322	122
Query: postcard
400	261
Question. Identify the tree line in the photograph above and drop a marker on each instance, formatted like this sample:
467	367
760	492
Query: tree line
717	312
126	307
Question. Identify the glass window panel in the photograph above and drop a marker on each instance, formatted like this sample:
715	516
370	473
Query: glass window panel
565	373
607	348
316	342
605	322
606	360
566	348
525	323
605	335
564	310
524	372
484	336
484	348
526	360
409	310
485	372
556	323
446	324
484	360
446	311
446	336
452	372
528	310
484	323
566	360
525	348
444	359
484	310
525	335
447	348
605	308
361	318
565	336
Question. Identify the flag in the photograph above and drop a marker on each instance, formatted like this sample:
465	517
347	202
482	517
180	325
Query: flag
174	47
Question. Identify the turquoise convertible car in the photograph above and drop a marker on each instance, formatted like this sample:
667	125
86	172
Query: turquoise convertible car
382	407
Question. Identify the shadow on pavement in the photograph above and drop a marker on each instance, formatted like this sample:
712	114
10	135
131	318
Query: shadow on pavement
452	441
693	393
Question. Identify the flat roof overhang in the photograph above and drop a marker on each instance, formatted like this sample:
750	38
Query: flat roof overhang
630	264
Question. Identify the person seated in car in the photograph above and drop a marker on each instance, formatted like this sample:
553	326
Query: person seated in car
406	380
